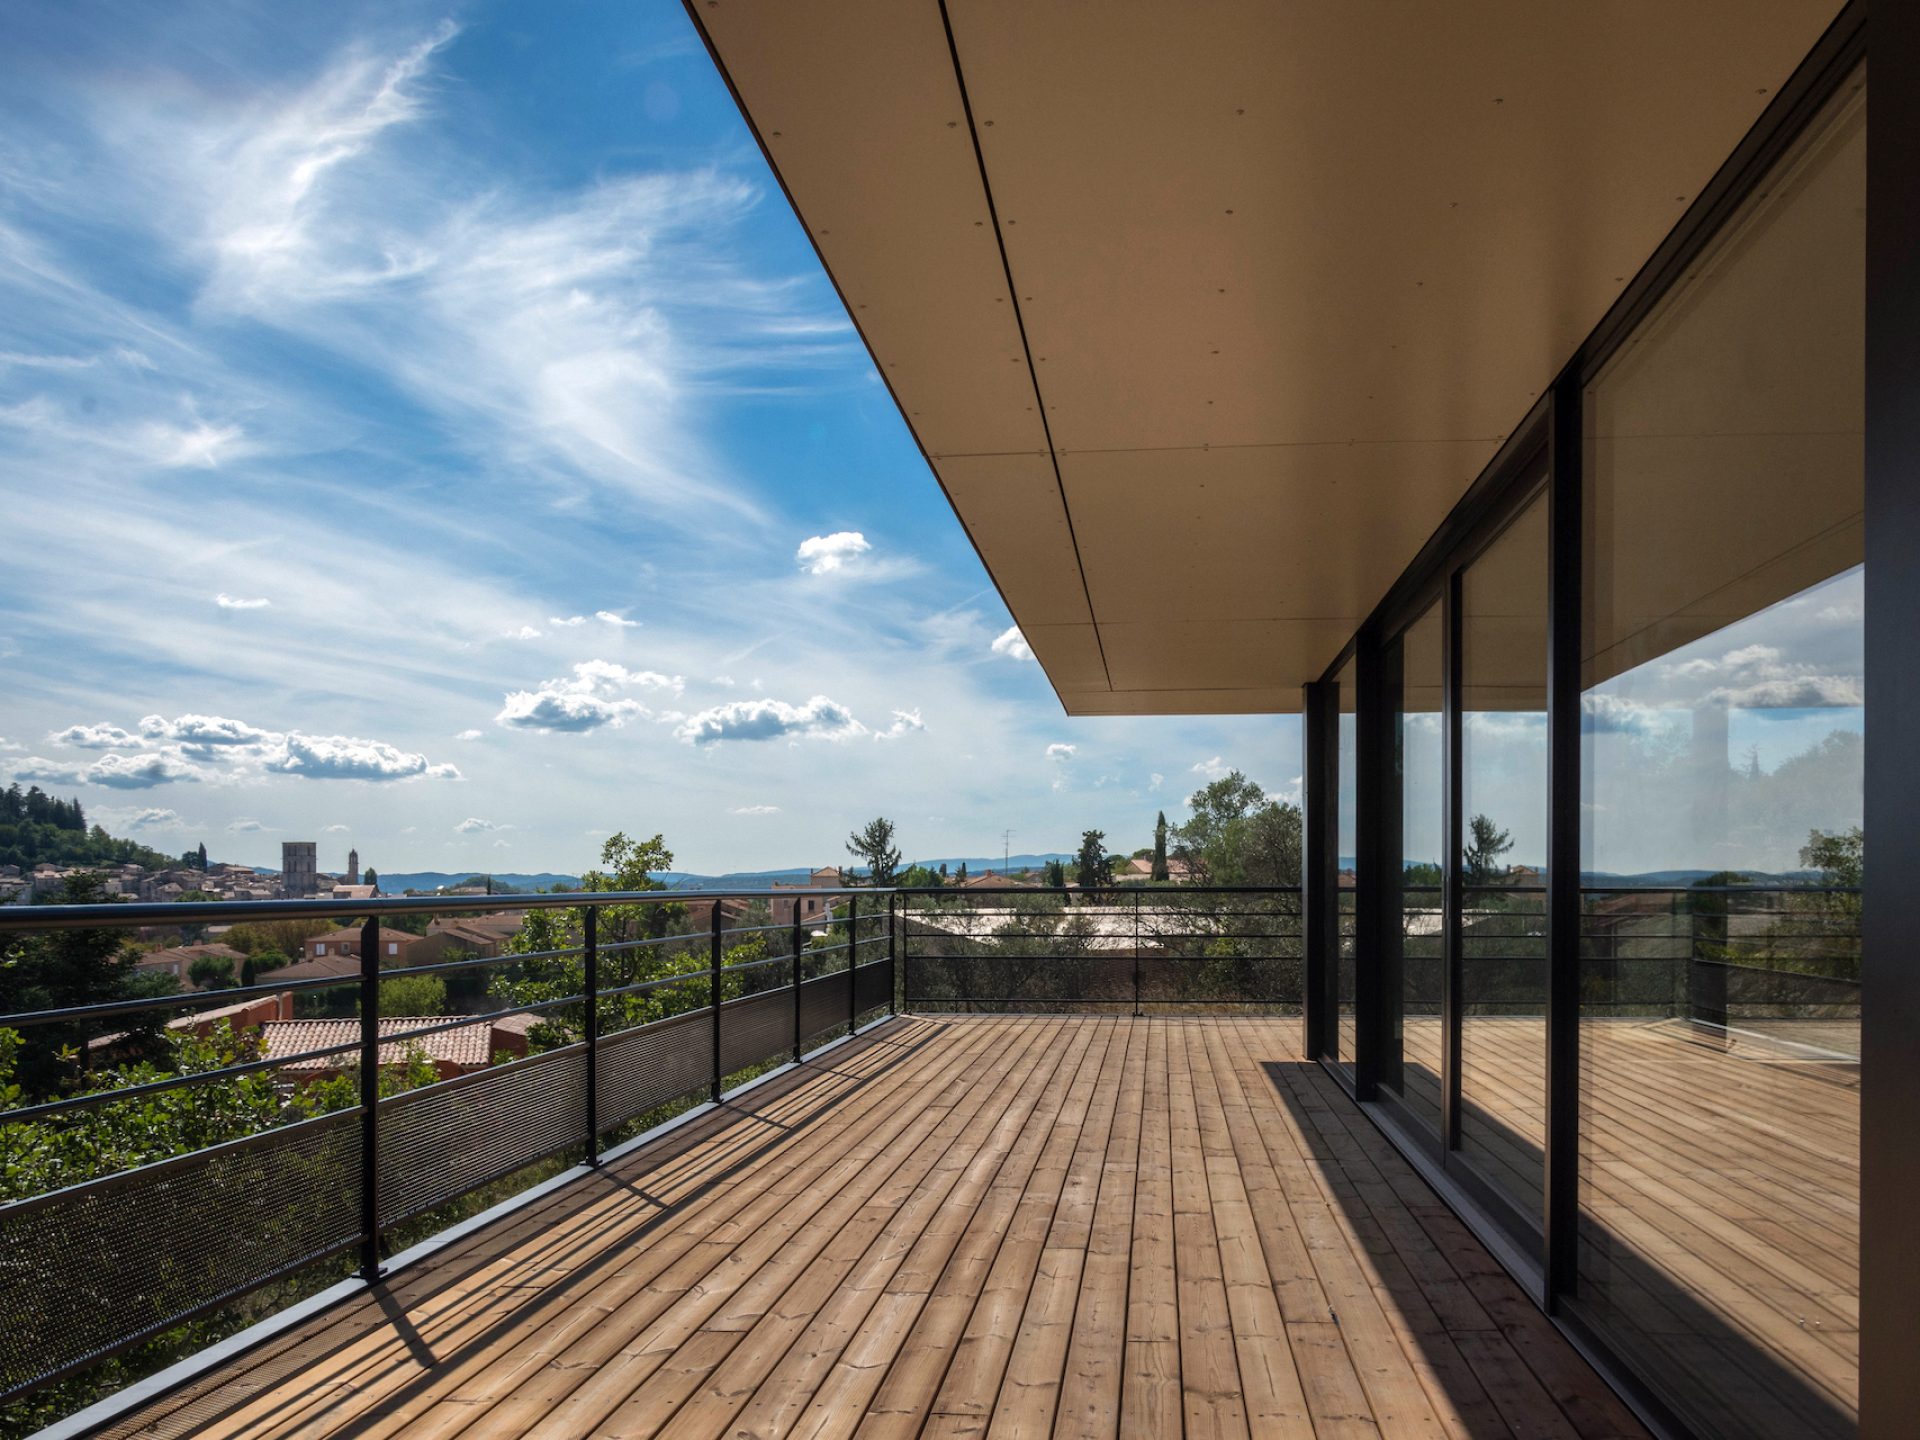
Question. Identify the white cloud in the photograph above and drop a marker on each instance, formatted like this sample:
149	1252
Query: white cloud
1155	781
96	737
1214	768
7	746
204	730
724	681
235	602
245	826
154	819
613	619
587	700
818	719
823	554
1061	751
116	771
333	829
473	825
905	722
754	810
469	735
1011	643
345	757
525	632
568	622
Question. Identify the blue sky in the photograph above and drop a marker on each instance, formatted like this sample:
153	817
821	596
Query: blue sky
428	429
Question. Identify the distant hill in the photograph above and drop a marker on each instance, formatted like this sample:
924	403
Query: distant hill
762	879
392	882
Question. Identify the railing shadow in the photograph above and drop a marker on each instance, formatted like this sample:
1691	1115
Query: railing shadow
603	1246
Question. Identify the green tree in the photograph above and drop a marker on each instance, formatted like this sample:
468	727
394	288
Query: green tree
1238	836
371	877
1486	843
918	877
629	865
874	844
212	972
1092	868
1839	855
1056	875
413	995
1160	871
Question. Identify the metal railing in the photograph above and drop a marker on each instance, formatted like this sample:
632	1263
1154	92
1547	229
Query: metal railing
120	1249
1125	949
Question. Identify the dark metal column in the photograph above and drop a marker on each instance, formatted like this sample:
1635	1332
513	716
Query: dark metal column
714	994
1371	758
853	964
370	1101
796	977
1452	987
893	954
590	964
1563	839
1320	866
1890	979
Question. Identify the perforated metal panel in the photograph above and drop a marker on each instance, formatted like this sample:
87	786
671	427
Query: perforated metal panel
652	1064
445	1140
824	1001
88	1269
756	1029
873	985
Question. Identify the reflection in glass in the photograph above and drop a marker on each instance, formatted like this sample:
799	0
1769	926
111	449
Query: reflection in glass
1723	743
1411	1062
1503	805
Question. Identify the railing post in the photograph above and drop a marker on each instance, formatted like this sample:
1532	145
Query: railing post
893	955
714	994
590	955
797	902
1136	954
853	964
370	1101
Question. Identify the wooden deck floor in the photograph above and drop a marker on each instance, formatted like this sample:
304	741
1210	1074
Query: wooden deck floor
1070	1226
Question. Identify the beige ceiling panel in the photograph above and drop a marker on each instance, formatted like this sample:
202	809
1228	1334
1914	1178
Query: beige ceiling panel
1244	222
1011	507
857	102
1267	532
1178	654
1070	654
1278	701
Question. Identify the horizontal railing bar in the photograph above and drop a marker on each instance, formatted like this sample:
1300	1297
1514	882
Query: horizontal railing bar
200	912
660	982
215	999
101	1183
171	1082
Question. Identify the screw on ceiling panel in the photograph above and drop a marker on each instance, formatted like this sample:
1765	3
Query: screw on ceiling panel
1499	100
1229	212
776	134
989	124
1761	91
953	124
1239	111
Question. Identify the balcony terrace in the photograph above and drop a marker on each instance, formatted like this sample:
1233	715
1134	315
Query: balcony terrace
1017	1225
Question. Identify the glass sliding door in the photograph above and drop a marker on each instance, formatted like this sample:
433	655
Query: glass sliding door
1723	670
1415	845
1501	857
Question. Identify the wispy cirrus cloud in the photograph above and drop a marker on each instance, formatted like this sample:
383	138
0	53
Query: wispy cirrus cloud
236	602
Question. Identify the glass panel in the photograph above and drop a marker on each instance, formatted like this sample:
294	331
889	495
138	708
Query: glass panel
1412	1062
1503	805
1719	1044
1348	847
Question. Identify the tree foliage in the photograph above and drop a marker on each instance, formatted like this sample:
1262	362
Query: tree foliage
1486	843
1237	835
1160	871
1093	869
36	828
873	843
